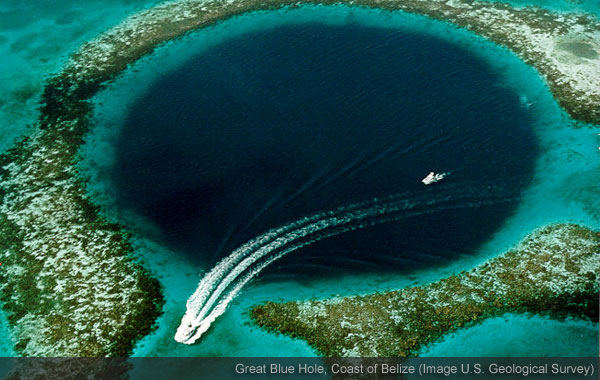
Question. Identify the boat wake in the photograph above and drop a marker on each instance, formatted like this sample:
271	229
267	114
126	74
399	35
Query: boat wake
225	281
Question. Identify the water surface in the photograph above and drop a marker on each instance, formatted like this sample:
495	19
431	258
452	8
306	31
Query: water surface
278	124
561	189
513	335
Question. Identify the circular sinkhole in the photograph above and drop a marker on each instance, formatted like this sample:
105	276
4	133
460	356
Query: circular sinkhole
266	128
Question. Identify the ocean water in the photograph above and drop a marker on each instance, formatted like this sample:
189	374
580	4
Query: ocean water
516	335
584	6
6	341
278	124
36	38
559	160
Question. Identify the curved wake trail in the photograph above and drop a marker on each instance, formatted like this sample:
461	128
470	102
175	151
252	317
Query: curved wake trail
224	282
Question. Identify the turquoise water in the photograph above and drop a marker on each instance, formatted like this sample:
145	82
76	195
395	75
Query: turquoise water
35	39
585	6
6	341
515	335
563	187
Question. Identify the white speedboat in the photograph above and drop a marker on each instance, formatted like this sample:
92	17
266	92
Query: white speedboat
433	178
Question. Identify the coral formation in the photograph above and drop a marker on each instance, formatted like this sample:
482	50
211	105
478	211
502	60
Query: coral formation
554	270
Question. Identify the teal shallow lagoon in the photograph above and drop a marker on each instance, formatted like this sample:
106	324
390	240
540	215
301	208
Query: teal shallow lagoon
231	335
6	341
36	38
516	335
587	6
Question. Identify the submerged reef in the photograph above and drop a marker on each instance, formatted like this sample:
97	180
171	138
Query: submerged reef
67	283
554	270
563	47
68	280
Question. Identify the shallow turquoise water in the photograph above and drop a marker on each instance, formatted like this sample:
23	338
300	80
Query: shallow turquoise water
563	188
515	335
6	341
35	39
587	6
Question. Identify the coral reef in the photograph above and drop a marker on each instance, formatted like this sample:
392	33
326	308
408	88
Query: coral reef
554	270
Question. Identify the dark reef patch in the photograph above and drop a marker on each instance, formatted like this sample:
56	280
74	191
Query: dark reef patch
580	49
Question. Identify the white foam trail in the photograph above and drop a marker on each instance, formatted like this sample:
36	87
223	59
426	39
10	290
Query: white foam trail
211	298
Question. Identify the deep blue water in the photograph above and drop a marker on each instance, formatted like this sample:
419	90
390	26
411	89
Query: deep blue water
277	124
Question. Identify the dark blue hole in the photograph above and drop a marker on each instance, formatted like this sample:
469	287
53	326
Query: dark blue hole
278	124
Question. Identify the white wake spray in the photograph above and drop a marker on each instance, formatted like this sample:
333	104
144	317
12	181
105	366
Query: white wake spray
220	286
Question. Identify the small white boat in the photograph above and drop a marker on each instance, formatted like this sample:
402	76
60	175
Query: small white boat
433	178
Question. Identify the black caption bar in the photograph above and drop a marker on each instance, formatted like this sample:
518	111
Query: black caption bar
298	368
